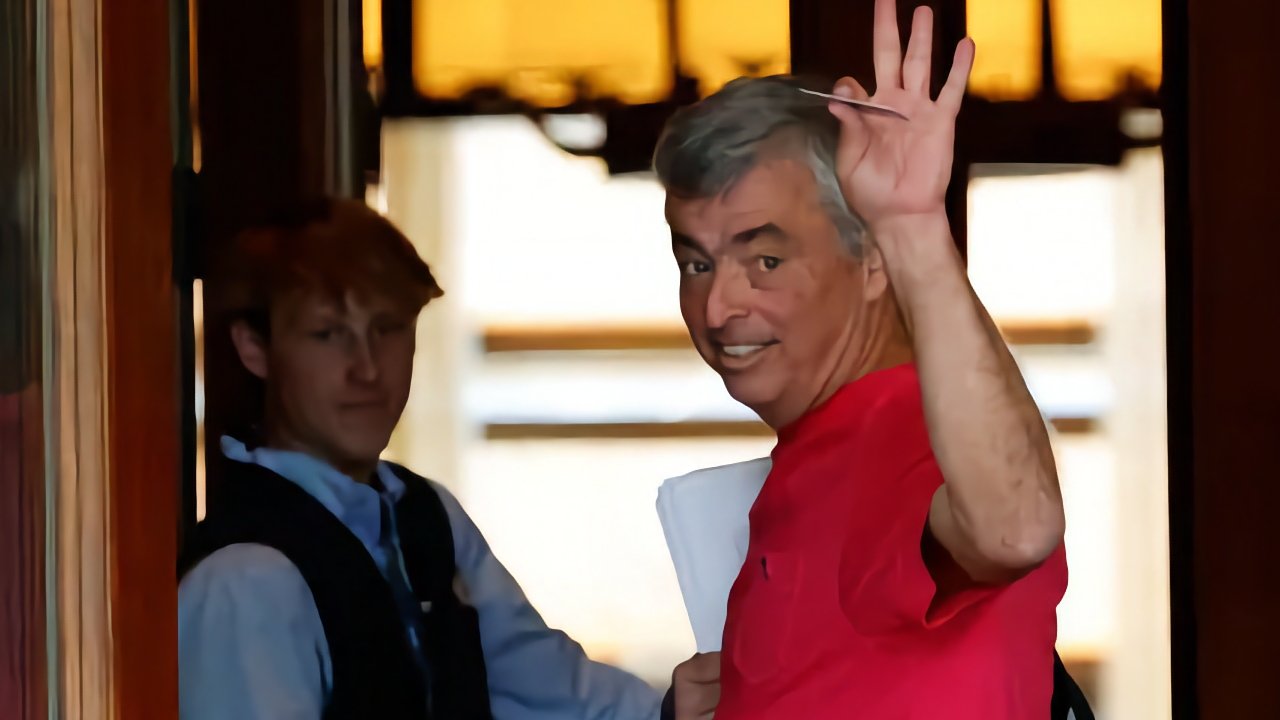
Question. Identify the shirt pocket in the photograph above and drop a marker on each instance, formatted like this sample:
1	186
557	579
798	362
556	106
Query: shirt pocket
762	618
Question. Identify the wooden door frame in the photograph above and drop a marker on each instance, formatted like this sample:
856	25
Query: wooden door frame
1221	151
144	395
113	404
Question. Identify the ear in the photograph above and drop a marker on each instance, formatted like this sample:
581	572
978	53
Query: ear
251	347
875	281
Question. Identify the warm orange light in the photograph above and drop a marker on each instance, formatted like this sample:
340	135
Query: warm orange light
1098	41
372	34
537	50
724	39
1007	33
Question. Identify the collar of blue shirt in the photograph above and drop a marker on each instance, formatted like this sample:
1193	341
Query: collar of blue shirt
356	505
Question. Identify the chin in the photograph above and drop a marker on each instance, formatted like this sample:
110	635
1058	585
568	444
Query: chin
754	392
364	449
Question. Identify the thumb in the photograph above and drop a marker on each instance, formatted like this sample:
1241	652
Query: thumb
855	137
849	88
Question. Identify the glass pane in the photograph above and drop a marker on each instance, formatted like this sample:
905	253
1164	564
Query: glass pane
574	521
724	39
1087	246
1007	33
1041	244
540	51
1100	42
561	218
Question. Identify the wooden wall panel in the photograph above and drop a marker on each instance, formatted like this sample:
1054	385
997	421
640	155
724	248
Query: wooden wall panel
142	344
1222	149
264	130
23	689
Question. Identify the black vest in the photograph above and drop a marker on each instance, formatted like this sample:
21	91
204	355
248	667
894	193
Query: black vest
375	674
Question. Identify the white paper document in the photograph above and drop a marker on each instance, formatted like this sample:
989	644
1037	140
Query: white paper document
704	516
861	104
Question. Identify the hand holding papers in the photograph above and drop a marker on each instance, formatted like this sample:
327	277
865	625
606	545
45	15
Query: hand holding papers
704	516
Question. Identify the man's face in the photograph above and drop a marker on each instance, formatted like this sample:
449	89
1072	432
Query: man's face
337	374
772	300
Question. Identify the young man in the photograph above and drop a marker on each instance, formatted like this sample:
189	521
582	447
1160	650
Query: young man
905	556
326	583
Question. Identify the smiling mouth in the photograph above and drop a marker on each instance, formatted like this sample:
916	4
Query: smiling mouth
739	352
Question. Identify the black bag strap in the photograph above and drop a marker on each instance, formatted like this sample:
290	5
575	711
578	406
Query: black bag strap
1067	695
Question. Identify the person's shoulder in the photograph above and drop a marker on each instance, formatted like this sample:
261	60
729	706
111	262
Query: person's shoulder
895	393
409	477
242	572
896	434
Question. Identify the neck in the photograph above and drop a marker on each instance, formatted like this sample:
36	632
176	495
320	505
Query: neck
884	343
361	471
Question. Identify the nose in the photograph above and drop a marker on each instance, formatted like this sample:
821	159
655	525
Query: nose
726	299
364	364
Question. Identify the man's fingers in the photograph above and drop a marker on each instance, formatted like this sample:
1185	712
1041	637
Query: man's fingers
697	686
701	669
916	67
886	45
952	94
850	88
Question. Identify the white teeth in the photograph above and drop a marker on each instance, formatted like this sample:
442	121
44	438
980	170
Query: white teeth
741	350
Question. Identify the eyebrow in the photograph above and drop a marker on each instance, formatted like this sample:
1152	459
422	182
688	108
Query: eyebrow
740	238
751	234
686	241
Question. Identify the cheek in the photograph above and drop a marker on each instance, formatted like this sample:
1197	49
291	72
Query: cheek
693	306
397	362
783	309
305	375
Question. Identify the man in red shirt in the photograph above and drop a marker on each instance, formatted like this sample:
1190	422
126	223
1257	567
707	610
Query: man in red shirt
905	556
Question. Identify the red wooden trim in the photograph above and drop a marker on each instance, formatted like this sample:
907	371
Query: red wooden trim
23	686
142	345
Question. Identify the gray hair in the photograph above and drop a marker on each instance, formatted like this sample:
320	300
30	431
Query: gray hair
708	146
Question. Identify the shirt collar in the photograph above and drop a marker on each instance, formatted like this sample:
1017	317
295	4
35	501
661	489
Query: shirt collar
356	505
847	407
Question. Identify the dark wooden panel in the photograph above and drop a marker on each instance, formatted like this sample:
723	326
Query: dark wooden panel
1183	679
1222	151
142	355
23	686
23	689
261	69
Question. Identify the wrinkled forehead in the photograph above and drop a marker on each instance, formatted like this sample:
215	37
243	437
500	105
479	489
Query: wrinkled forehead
776	189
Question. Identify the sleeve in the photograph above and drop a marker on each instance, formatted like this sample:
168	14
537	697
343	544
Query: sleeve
536	672
250	642
885	583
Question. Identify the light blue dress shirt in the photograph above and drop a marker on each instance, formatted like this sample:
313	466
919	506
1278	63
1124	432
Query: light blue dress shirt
251	645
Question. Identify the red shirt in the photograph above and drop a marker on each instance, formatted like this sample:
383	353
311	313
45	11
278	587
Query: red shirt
834	615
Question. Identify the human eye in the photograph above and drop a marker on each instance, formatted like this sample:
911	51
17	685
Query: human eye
694	267
768	263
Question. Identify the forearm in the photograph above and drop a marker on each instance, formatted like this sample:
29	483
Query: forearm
999	513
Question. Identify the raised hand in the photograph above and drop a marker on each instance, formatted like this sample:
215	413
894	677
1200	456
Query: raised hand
890	167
